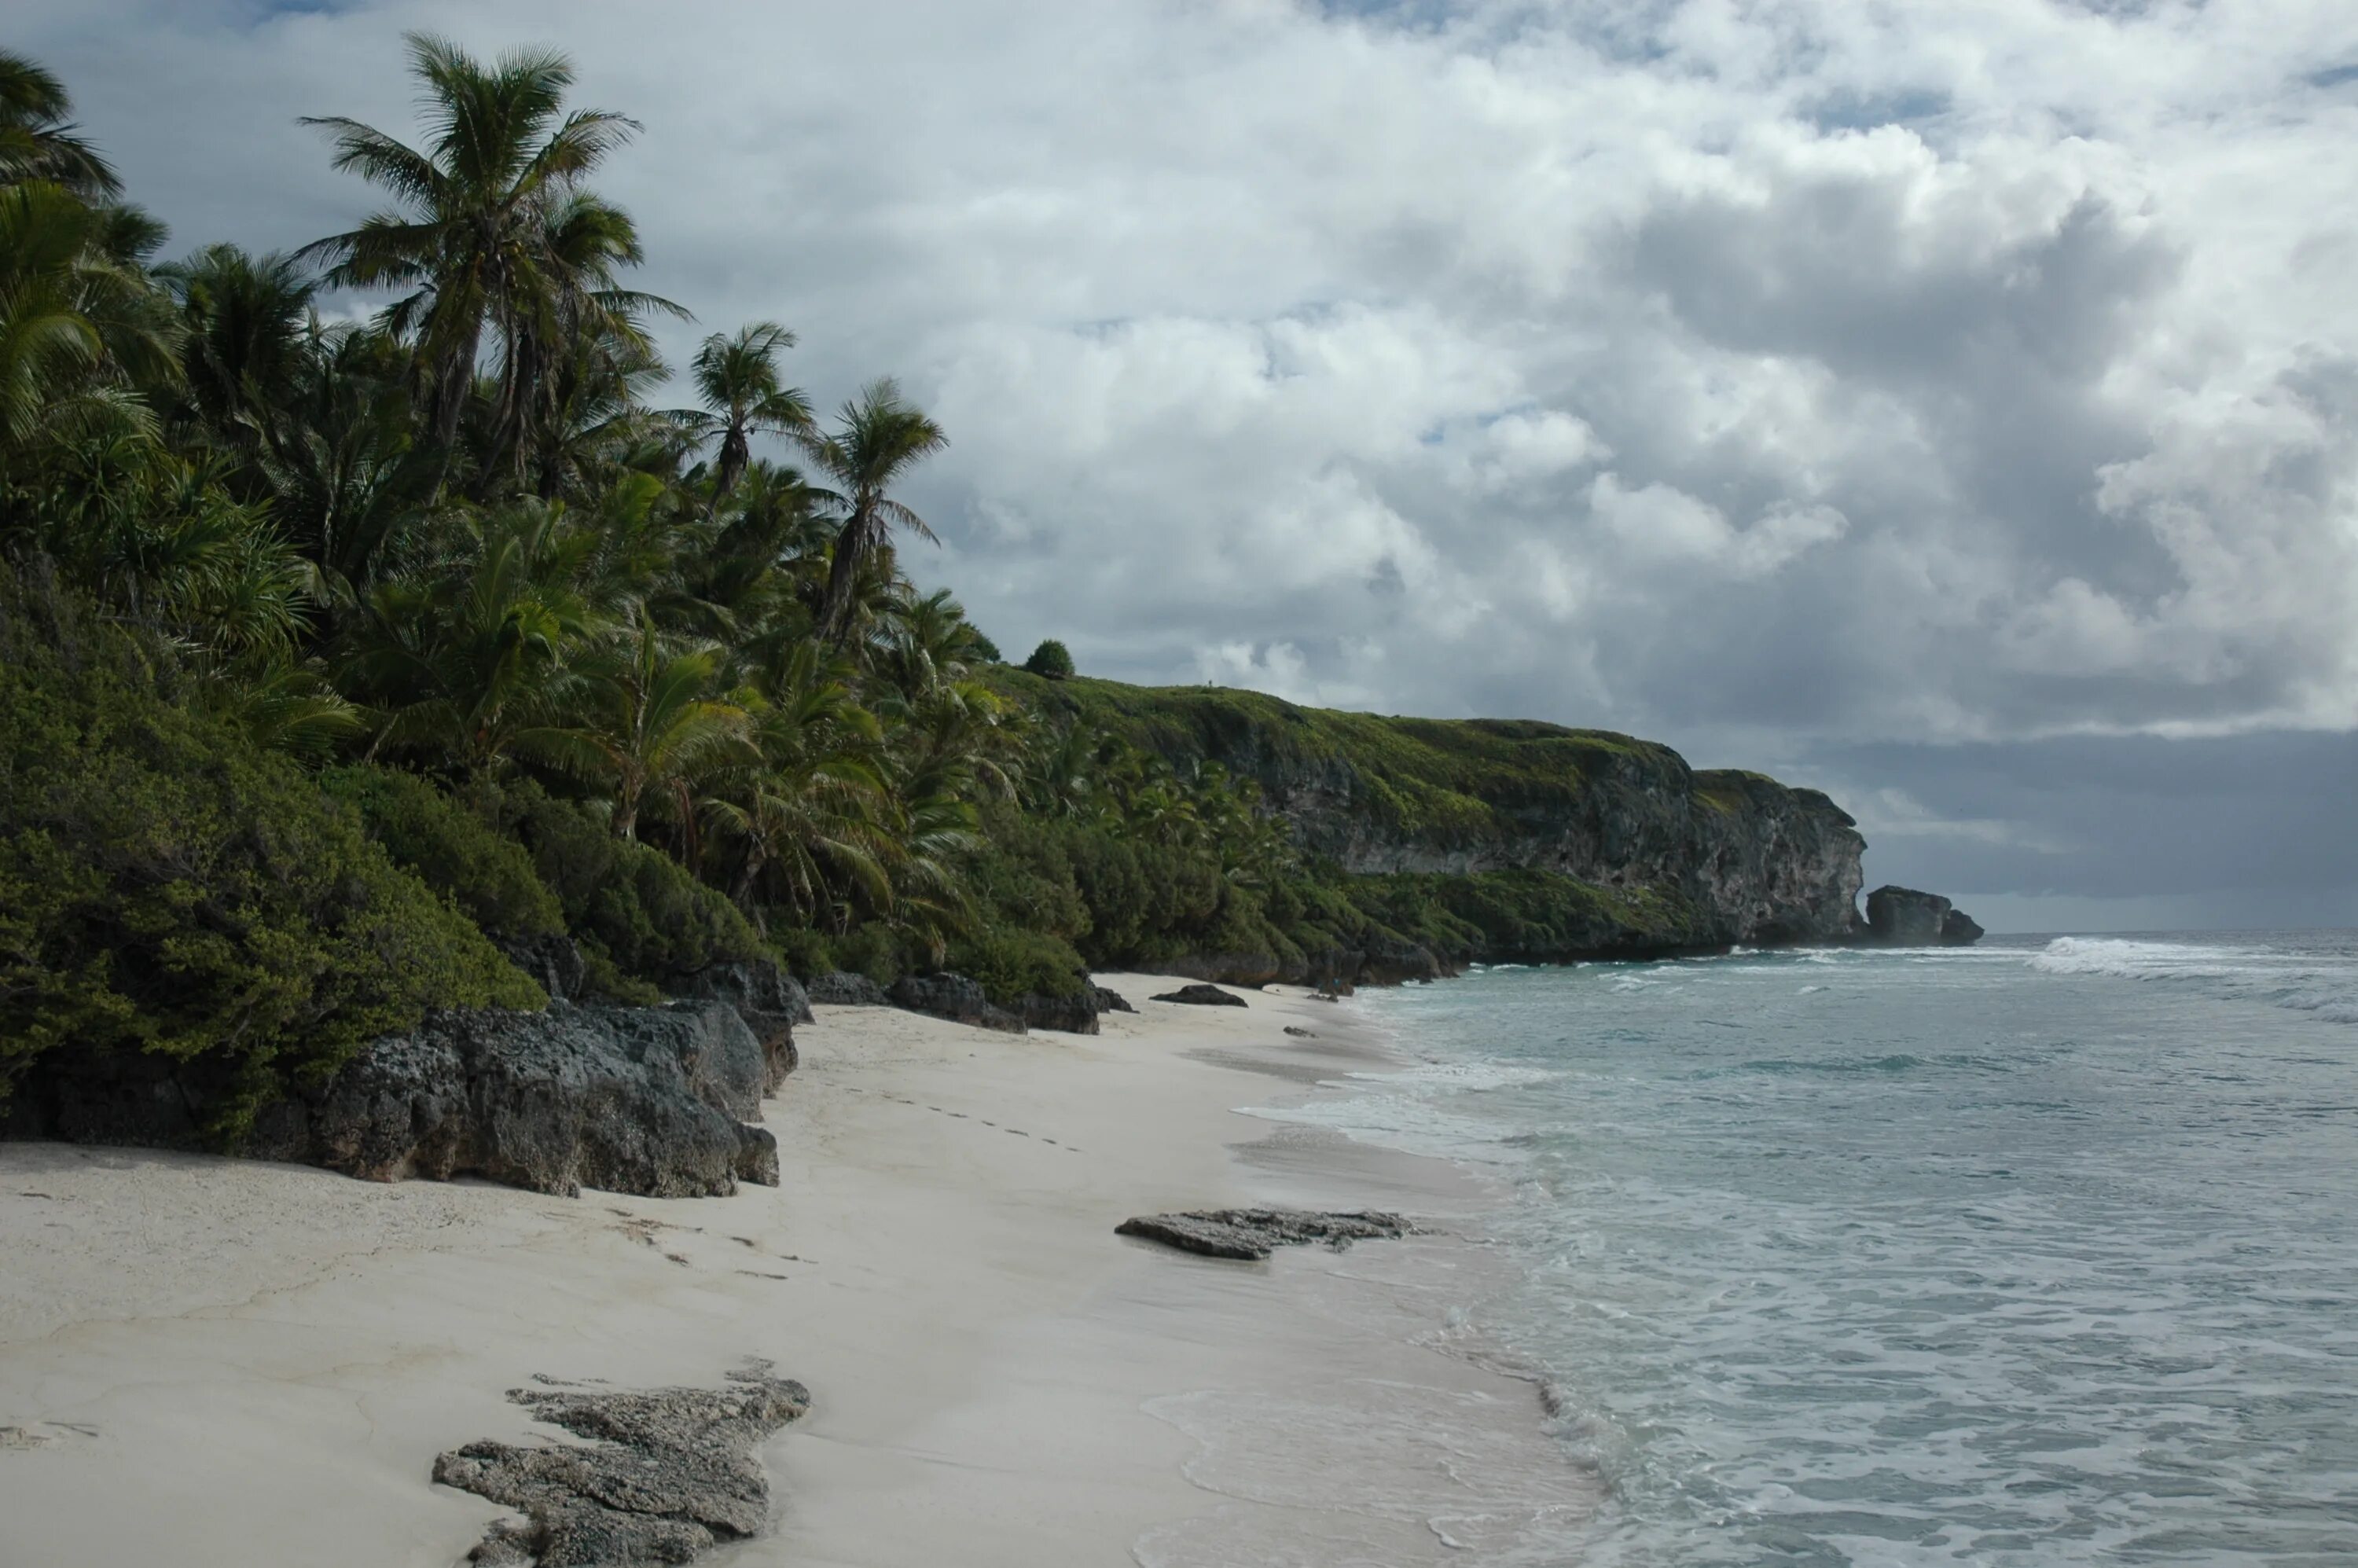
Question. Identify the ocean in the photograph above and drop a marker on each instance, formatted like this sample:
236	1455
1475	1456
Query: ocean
2040	1252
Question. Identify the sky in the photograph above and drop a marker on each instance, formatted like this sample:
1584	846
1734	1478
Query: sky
1953	407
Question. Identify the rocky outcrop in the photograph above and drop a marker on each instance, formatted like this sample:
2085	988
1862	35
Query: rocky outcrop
1202	996
664	1476
1904	917
1255	1233
954	997
1107	1002
652	1100
843	989
766	996
1074	1014
648	1100
553	961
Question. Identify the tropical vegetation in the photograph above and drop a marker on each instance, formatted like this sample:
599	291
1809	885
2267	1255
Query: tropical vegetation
365	607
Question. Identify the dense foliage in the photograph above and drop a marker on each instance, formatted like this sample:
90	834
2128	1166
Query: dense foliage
406	614
164	888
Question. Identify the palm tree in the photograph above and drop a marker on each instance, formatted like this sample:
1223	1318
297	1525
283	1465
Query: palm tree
462	663
469	236
81	327
737	376
248	325
38	141
804	813
878	438
649	727
573	335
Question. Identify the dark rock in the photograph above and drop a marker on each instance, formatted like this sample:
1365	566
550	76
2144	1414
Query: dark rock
553	961
641	1100
1297	1030
1903	917
1074	1014
1252	1233
665	1476
955	998
1109	1001
1202	996
754	984
843	989
633	1099
766	996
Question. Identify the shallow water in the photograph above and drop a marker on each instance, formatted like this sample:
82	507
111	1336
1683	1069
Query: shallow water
2036	1253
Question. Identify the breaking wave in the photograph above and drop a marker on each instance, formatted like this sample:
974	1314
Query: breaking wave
2319	980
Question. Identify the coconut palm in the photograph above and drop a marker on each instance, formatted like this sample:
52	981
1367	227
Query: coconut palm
247	325
469	236
804	814
37	139
650	726
879	436
462	662
81	329
737	376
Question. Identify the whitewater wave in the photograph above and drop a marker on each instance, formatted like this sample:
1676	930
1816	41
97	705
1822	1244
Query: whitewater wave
2325	986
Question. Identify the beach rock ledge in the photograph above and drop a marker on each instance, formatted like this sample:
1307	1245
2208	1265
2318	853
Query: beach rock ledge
667	1474
1202	996
1251	1233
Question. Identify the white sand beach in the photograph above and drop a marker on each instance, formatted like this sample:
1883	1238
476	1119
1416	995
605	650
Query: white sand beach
212	1362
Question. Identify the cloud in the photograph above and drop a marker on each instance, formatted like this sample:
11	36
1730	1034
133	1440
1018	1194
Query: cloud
1781	379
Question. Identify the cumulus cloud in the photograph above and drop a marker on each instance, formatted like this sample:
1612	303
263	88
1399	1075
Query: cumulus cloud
1778	379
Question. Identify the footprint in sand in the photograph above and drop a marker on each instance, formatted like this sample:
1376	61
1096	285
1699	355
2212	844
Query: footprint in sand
44	1435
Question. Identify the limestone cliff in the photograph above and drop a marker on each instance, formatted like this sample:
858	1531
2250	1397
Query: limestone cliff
1676	858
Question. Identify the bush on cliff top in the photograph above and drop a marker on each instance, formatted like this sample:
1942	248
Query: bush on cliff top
642	919
166	888
449	849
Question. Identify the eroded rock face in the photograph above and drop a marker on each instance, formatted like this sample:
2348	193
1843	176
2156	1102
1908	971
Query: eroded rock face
667	1476
843	989
1904	917
766	996
1255	1233
649	1100
1109	1001
1074	1014
953	996
1202	996
553	961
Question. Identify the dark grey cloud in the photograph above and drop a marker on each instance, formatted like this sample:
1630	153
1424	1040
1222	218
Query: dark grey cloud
1830	388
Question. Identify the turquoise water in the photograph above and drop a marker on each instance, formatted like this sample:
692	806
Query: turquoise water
2037	1253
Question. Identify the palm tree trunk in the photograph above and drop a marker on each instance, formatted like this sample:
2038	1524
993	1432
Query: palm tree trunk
842	578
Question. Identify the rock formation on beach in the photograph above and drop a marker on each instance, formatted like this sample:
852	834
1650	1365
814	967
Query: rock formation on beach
653	1101
1254	1233
1201	996
1904	917
665	1475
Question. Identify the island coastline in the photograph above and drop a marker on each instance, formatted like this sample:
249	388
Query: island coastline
209	1360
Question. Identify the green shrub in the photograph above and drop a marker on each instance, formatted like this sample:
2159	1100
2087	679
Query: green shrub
876	951
1012	962
642	919
451	849
1051	661
165	887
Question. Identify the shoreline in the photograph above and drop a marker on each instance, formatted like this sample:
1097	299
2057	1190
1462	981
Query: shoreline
211	1361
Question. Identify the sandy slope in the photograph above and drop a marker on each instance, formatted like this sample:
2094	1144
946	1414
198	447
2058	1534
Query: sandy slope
214	1362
